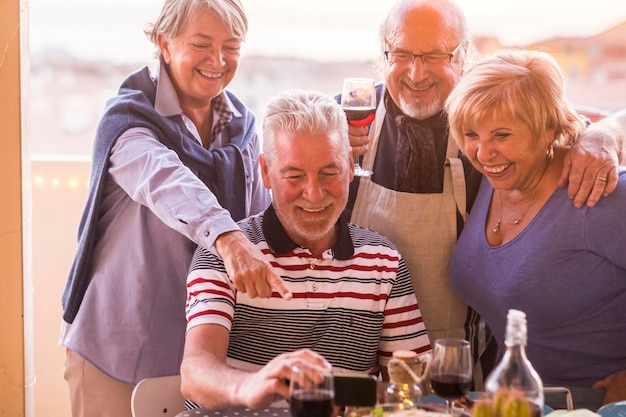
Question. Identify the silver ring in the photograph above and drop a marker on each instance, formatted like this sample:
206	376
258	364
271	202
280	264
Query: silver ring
601	179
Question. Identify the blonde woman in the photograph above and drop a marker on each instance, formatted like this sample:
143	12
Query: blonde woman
525	245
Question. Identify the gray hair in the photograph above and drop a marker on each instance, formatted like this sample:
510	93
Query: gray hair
457	29
299	111
175	15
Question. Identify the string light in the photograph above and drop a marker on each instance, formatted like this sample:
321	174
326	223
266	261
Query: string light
72	182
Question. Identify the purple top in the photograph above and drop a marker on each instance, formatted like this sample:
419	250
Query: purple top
567	271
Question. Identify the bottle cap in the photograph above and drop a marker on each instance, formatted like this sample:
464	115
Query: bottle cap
404	355
405	367
516	315
515	328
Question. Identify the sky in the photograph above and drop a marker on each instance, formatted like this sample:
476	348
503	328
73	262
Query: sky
319	29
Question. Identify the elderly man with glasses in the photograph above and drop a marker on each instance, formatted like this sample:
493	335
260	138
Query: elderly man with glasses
422	187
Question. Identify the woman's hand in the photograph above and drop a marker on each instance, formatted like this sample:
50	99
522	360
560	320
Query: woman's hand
247	267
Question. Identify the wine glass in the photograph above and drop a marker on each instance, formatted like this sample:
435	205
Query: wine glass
311	394
358	100
451	369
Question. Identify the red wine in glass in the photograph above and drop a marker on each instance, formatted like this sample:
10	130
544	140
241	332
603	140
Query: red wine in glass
311	394
450	386
360	116
451	369
358	99
311	403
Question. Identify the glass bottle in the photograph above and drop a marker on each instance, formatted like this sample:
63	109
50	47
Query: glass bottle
405	370
515	376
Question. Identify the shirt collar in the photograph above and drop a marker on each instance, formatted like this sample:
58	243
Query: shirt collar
167	103
280	243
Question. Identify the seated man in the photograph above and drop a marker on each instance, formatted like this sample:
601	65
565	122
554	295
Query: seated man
353	302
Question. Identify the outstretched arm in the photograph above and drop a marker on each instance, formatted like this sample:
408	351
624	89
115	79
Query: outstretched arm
247	268
590	169
209	381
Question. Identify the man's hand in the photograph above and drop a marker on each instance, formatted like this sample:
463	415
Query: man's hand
247	268
590	167
359	139
208	380
269	384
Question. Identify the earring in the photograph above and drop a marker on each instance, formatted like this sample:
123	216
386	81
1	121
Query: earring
550	152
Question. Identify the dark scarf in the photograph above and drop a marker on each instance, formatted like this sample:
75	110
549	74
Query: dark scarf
418	169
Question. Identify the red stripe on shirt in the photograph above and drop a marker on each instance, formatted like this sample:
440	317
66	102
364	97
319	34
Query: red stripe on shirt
211	313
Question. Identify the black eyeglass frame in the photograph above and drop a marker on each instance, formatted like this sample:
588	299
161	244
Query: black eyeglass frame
423	57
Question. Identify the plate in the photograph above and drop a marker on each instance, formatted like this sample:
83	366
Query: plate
617	409
474	395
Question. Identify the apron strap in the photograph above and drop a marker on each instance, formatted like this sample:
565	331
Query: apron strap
458	185
458	177
374	135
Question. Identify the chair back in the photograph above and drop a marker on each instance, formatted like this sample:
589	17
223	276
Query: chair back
159	396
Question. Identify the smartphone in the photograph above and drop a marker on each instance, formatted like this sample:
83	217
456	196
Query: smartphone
355	390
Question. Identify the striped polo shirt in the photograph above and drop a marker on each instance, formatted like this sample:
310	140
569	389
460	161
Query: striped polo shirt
354	304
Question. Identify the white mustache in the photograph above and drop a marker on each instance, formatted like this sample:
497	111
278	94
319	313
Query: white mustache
422	85
316	208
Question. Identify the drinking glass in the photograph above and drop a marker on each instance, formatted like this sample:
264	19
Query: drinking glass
451	369
358	100
311	394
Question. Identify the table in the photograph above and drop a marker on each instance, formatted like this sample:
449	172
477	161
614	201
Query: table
237	412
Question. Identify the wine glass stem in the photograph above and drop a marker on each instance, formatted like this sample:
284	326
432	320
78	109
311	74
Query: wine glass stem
449	407
358	169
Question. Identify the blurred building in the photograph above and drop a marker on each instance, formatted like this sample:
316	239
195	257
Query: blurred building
595	67
69	95
598	59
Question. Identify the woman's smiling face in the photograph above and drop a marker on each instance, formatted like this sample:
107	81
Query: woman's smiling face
203	59
506	151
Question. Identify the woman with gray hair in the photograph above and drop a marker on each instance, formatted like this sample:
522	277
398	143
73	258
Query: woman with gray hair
175	164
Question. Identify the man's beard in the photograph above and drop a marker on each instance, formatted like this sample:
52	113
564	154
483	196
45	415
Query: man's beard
420	111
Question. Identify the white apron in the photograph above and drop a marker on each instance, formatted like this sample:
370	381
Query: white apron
423	229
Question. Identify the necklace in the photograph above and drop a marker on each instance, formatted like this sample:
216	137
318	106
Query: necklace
496	227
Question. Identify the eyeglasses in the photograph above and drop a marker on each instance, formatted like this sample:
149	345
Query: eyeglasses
432	58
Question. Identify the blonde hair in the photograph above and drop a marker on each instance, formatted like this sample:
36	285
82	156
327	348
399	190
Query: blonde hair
175	15
524	85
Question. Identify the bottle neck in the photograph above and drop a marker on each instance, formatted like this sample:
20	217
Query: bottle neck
515	339
515	352
516	334
515	373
